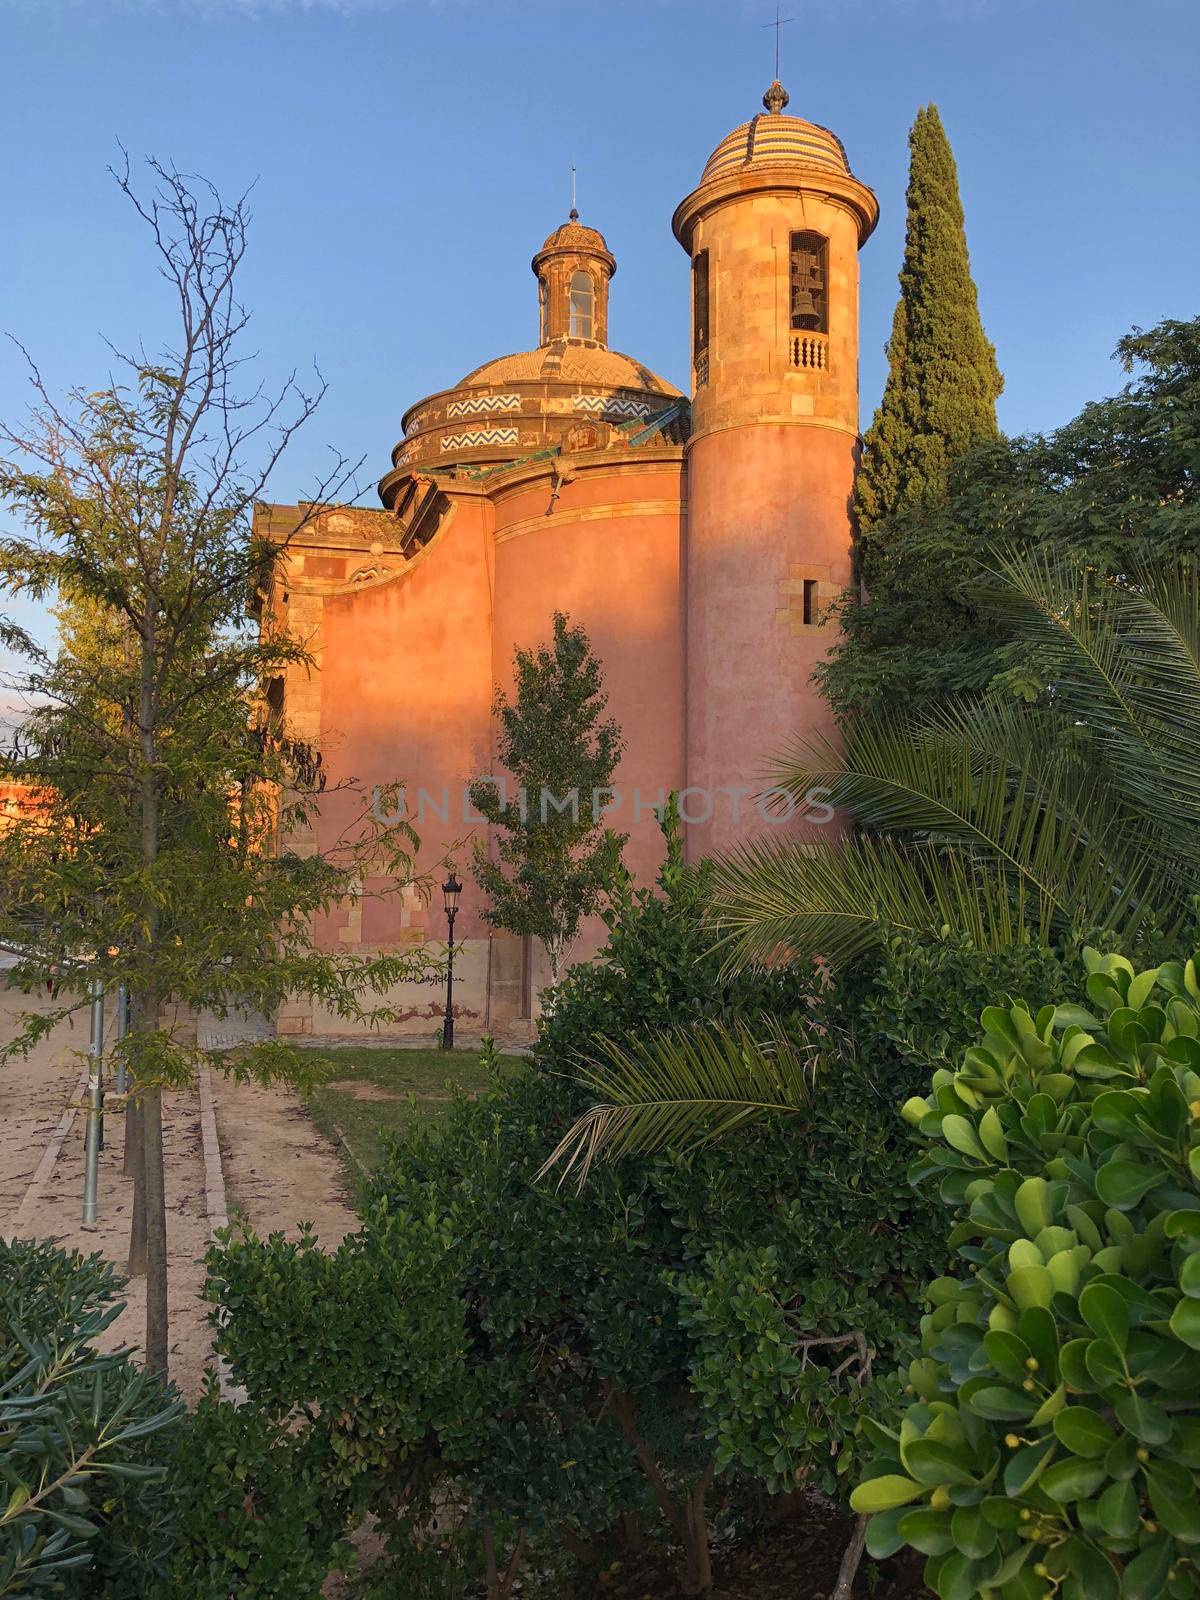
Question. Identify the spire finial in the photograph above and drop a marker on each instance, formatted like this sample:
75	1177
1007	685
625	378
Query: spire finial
574	207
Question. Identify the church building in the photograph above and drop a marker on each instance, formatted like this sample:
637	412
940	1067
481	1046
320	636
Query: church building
699	538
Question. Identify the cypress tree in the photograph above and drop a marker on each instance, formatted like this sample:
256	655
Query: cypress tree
942	384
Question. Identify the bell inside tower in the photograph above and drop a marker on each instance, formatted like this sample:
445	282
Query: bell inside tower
808	283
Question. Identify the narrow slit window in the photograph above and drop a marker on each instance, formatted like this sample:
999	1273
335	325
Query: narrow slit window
701	310
810	600
583	306
809	287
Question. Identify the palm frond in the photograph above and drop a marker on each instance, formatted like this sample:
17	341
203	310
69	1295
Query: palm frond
1067	821
1125	657
685	1088
986	778
1070	612
778	899
1158	613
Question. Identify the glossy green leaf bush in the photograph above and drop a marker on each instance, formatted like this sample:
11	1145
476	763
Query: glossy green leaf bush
1052	1443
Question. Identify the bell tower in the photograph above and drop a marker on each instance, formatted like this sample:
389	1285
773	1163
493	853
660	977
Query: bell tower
773	232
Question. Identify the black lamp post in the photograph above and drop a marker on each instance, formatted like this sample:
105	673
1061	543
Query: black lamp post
451	890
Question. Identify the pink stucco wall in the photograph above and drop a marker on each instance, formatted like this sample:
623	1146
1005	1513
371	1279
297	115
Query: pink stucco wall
407	683
610	555
763	501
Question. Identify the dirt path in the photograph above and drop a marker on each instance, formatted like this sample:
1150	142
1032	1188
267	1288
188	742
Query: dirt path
42	1197
277	1172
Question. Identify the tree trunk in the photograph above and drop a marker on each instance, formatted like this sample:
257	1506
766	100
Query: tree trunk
500	1585
131	1161
630	1534
851	1557
584	1552
156	1232
689	1524
146	1008
697	1562
135	1167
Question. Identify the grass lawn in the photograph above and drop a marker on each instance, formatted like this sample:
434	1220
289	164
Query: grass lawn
372	1093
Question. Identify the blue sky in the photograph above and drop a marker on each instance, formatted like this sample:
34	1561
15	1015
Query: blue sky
410	155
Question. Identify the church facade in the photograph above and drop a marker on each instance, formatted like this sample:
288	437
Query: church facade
699	539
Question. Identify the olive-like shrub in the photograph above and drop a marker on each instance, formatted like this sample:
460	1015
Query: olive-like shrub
75	1424
111	1490
1052	1443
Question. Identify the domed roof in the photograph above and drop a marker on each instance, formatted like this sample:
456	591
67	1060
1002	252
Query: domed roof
776	140
566	361
573	235
571	238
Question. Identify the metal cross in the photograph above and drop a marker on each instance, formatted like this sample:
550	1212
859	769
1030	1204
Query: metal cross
780	22
573	206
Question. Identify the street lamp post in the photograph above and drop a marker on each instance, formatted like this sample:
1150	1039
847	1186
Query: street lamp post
451	890
94	1134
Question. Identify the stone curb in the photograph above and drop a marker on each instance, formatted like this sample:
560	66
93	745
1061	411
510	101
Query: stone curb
49	1161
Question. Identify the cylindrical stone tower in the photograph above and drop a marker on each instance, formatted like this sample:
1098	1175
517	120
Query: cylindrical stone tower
773	233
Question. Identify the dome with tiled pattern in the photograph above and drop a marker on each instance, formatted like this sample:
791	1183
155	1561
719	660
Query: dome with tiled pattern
570	361
573	235
773	139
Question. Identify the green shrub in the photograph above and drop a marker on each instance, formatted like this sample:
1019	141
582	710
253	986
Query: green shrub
112	1490
550	1361
78	1429
1054	1442
252	1510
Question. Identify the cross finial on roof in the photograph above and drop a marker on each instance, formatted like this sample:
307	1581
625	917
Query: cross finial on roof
780	22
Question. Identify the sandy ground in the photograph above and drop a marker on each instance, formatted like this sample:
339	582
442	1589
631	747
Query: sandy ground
278	1171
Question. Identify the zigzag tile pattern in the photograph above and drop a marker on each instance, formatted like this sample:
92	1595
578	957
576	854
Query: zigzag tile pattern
483	403
611	406
478	436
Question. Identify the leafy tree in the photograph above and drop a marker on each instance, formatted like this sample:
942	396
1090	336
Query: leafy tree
658	963
942	383
554	857
1115	488
160	857
1053	1442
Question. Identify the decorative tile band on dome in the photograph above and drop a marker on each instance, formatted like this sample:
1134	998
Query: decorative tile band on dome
611	405
478	437
484	402
773	140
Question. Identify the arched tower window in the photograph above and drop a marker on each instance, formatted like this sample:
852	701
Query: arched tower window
583	306
808	283
701	305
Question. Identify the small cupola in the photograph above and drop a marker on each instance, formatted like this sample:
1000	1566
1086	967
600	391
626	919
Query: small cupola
573	268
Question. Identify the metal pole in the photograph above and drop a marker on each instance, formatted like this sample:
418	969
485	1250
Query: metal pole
91	1149
121	1077
448	1024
